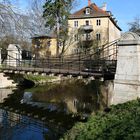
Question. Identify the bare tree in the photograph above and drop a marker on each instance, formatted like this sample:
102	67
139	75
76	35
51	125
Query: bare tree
22	26
35	12
135	25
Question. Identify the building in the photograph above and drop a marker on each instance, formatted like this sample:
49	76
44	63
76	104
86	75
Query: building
88	27
91	25
44	45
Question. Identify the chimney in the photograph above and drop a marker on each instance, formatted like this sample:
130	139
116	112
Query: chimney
104	6
89	2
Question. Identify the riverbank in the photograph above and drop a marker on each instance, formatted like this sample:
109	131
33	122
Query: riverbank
41	79
9	80
119	122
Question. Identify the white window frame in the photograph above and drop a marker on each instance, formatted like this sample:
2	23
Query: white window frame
98	36
87	11
88	36
76	23
98	22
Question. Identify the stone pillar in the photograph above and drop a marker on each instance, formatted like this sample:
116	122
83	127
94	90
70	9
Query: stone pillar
0	56
127	77
14	55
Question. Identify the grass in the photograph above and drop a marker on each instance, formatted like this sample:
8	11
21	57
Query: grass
38	78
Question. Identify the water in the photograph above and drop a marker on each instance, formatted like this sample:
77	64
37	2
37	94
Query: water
16	127
75	98
47	112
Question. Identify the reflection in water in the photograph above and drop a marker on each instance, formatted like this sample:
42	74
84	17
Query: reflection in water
61	107
16	127
19	127
77	98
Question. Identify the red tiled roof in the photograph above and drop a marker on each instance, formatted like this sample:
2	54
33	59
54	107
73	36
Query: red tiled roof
95	12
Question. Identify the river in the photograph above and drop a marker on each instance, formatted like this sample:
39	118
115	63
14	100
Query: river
41	113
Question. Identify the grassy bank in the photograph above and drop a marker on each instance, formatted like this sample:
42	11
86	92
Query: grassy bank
121	122
40	79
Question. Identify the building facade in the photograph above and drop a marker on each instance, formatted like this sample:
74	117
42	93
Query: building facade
44	45
91	26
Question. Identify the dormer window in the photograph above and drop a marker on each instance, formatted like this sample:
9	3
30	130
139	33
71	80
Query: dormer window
87	11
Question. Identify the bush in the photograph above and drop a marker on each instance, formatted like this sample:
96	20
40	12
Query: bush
121	123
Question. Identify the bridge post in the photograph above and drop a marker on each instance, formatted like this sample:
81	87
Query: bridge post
127	77
14	55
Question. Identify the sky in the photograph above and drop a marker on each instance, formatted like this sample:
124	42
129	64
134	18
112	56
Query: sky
123	10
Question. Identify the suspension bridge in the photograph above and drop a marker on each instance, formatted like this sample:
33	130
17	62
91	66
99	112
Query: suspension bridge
118	60
98	63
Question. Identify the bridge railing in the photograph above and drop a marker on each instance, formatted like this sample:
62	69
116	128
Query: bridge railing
60	65
97	61
88	65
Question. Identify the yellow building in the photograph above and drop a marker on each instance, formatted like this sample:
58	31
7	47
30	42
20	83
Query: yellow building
44	45
90	25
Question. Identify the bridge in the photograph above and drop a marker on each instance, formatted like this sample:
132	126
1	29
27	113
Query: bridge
118	60
98	63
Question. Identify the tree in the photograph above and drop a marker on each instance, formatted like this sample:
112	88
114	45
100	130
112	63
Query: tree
135	25
14	23
35	13
56	14
88	43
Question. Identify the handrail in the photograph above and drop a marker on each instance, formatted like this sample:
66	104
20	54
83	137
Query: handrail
93	61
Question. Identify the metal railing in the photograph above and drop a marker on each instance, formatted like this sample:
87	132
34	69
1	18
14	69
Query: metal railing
100	61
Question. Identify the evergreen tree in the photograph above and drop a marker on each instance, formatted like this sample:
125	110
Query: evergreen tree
56	14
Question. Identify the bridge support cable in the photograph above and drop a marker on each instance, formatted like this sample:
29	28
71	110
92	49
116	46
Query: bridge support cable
96	62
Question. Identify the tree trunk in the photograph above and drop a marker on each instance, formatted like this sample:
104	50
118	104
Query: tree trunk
58	32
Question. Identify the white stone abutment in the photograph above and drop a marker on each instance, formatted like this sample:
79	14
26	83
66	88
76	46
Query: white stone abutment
127	77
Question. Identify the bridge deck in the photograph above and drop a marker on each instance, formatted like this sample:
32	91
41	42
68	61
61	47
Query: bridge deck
98	63
52	71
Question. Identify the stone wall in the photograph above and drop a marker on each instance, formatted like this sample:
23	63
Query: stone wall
5	82
127	77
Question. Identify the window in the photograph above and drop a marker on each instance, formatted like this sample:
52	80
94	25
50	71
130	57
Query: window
88	36
76	37
87	11
87	22
48	44
98	23
60	44
37	43
75	23
98	36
